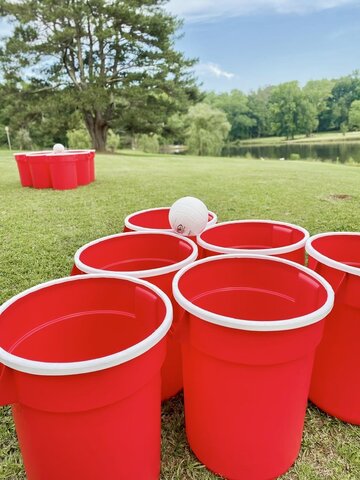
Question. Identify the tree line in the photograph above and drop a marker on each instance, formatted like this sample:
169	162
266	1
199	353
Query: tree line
99	72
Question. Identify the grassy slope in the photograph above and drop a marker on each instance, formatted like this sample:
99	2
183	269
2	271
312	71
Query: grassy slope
322	137
40	231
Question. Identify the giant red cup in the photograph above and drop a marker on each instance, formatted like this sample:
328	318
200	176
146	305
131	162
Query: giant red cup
262	237
81	367
252	328
335	385
155	257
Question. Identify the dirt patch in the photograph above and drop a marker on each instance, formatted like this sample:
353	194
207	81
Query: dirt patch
339	196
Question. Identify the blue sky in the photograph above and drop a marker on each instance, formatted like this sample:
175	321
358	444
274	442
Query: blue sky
246	44
250	43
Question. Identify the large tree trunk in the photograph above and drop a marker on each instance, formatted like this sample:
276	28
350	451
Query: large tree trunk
97	128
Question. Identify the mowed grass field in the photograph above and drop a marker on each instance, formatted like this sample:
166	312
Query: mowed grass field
40	230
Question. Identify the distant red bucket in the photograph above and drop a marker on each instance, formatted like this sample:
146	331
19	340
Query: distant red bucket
61	171
335	386
39	165
81	366
262	237
253	325
155	219
155	257
24	169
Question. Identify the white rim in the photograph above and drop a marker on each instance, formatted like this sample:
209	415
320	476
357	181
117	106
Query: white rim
254	325
66	153
49	153
74	368
131	226
153	272
257	251
327	260
26	154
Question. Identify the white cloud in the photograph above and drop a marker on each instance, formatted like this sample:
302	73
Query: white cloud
214	70
201	10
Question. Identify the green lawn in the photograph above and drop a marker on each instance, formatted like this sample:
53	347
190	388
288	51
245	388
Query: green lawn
41	229
322	137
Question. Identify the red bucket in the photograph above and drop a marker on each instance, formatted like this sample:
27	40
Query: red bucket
24	169
85	165
262	237
63	170
154	256
253	325
92	165
335	386
155	219
81	366
39	164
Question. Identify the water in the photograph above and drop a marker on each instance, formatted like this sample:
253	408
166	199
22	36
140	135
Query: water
327	152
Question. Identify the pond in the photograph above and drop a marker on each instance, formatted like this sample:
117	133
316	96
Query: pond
341	152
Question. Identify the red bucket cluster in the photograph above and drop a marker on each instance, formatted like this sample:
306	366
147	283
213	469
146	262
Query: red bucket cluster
248	330
61	171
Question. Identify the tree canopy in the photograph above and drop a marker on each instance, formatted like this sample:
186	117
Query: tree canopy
107	57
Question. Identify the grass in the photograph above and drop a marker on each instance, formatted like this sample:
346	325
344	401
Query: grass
322	137
41	229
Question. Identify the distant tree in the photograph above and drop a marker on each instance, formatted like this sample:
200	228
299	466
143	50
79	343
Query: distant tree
78	138
318	92
97	50
207	131
148	111
258	103
112	141
344	92
306	119
174	130
148	143
235	105
354	114
46	115
284	104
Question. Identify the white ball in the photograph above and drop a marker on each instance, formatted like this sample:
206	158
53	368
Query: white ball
58	148
188	216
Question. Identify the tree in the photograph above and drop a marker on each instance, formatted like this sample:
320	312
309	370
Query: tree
284	102
207	131
318	92
354	114
97	50
344	92
306	119
78	138
46	115
259	111
235	105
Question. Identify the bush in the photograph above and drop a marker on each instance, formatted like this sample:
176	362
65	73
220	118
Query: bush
78	138
22	139
112	141
294	156
344	128
248	156
148	143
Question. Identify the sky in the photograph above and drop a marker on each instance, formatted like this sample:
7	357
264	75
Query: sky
247	44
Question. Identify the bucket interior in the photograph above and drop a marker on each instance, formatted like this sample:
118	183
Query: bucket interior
80	320
252	289
341	248
156	219
252	235
136	252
